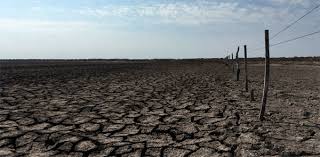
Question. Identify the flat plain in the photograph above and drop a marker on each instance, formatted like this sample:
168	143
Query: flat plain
171	108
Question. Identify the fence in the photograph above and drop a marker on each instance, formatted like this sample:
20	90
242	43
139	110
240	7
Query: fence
266	46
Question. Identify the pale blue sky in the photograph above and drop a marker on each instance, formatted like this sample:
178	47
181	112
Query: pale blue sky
66	29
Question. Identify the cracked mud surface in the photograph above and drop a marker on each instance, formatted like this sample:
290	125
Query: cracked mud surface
156	108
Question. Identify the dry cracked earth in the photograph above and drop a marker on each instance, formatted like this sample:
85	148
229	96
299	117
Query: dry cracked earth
155	108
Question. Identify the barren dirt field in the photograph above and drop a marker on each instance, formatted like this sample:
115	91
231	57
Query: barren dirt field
171	108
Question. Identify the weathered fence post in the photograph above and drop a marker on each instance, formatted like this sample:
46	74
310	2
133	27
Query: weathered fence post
232	63
237	64
226	60
266	77
246	68
252	99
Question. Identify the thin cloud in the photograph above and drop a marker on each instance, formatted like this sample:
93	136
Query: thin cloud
304	3
40	25
187	13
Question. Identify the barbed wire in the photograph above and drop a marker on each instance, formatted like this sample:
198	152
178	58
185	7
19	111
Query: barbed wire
289	40
290	25
284	29
296	21
296	38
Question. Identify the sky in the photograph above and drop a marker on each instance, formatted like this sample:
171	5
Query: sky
146	29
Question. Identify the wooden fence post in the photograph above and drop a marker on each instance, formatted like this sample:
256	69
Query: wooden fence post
252	95
232	62
226	60
266	77
246	68
237	64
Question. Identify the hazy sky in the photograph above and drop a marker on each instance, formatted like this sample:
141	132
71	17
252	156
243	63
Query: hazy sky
152	28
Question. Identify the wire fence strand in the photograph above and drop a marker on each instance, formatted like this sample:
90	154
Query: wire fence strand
296	21
296	38
286	41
